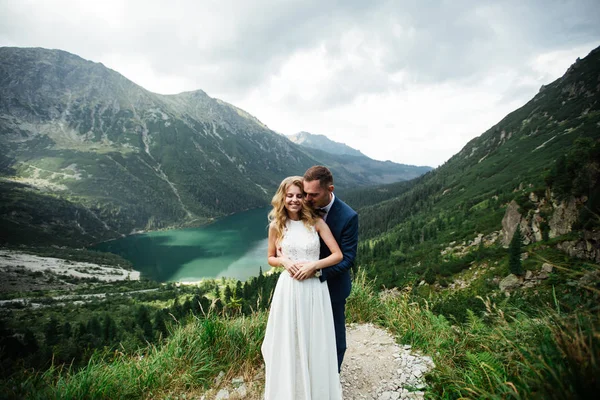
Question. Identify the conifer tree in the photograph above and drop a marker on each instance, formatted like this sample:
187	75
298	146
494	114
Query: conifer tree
143	320
109	329
261	277
160	326
514	253
227	294
51	331
239	291
30	342
67	330
196	305
94	327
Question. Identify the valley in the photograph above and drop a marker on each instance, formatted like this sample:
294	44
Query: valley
487	264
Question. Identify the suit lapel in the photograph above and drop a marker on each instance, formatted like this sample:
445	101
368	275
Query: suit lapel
333	211
334	218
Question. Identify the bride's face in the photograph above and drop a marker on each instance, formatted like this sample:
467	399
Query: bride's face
294	199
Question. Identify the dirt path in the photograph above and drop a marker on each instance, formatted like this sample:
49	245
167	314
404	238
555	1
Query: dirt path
375	367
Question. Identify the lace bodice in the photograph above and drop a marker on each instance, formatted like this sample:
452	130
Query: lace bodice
300	243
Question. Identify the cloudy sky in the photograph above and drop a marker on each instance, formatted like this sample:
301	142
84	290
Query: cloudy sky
407	81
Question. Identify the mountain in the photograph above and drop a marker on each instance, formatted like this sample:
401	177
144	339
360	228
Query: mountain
435	245
340	156
103	157
322	142
538	168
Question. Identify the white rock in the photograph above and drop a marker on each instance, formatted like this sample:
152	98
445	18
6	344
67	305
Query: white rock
241	391
237	381
222	395
385	396
219	377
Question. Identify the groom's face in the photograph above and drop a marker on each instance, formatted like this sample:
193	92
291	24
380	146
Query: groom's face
316	195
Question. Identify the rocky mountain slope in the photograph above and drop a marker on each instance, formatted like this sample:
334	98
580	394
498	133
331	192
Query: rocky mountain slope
539	166
512	157
102	156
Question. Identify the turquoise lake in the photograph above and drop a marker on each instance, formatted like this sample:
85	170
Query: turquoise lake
234	247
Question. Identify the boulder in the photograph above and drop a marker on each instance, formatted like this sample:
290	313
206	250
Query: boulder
565	214
526	232
510	282
591	278
533	197
547	267
511	219
542	275
536	228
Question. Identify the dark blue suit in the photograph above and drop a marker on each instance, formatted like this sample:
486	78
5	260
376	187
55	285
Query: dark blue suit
343	222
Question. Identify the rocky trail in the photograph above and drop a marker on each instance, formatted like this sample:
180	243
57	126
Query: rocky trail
375	367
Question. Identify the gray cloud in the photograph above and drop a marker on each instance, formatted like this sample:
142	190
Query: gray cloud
247	42
241	51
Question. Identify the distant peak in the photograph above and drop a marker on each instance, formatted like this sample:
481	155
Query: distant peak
322	142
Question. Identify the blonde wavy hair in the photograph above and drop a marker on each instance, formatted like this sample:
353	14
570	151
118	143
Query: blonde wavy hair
278	216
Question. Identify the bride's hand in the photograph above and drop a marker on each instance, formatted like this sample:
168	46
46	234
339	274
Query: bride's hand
290	266
306	270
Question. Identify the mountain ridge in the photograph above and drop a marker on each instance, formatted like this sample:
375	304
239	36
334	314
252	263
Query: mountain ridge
78	131
343	156
322	142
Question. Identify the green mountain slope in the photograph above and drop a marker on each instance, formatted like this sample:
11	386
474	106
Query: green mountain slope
553	137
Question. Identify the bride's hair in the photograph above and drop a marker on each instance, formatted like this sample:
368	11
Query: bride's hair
278	215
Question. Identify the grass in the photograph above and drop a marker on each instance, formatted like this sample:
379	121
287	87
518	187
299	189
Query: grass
504	354
187	362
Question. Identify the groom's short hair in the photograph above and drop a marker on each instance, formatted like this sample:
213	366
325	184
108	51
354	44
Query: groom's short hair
321	174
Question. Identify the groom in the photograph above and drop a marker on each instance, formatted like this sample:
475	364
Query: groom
343	222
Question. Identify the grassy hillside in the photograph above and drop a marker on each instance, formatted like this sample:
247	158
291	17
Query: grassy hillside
507	353
547	150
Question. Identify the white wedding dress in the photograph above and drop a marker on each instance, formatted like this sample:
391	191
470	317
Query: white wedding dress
299	347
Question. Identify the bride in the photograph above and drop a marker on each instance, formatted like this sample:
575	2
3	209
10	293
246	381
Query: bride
299	346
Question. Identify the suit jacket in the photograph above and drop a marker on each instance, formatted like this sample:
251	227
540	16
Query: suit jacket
343	222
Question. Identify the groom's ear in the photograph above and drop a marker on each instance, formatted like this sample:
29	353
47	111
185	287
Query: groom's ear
330	188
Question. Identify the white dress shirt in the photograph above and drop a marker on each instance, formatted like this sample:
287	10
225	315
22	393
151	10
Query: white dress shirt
328	207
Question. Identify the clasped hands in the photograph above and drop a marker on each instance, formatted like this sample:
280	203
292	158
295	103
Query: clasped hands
300	270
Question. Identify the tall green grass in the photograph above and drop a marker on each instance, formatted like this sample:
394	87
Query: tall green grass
505	354
187	362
